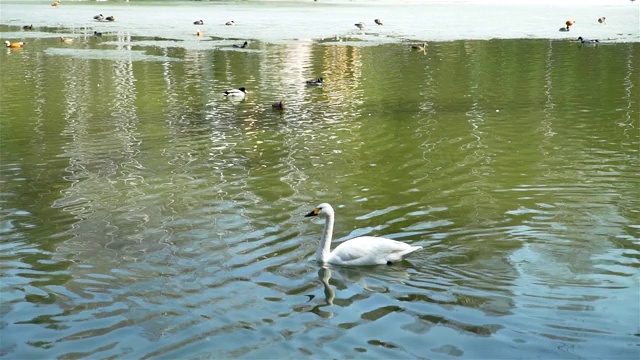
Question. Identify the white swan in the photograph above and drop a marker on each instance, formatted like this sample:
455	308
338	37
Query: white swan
363	250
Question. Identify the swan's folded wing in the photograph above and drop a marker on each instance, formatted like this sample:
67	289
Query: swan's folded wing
370	250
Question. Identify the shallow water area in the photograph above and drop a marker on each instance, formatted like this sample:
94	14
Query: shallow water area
143	214
95	54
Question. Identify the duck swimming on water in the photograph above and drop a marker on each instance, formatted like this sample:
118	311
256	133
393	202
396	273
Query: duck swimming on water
198	22
278	106
98	17
236	93
359	251
588	41
419	47
241	46
318	82
14	45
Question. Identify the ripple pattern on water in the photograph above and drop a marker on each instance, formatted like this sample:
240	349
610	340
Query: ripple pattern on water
144	215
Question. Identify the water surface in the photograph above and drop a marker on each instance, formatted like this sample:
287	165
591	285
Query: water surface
143	215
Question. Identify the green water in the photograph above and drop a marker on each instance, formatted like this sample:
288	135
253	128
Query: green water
146	216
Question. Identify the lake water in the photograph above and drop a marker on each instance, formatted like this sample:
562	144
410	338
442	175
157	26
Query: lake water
144	215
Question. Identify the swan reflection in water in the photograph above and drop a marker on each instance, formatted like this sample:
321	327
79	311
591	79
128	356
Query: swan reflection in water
352	276
324	274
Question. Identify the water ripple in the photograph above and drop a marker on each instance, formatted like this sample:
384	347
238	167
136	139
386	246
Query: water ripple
143	215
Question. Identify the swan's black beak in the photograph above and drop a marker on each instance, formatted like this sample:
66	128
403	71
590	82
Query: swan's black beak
313	213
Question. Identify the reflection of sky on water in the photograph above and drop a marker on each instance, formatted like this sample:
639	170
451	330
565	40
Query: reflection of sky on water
277	21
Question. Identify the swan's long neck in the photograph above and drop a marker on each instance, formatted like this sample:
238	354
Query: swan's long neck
324	249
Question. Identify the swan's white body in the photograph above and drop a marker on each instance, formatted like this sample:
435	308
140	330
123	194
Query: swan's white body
363	250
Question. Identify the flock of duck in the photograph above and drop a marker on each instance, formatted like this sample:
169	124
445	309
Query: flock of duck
358	251
569	23
111	18
228	23
362	26
101	17
359	25
241	92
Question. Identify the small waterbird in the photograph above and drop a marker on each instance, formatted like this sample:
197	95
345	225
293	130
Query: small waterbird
110	18
318	82
602	20
230	23
241	46
14	45
278	105
419	47
359	25
377	21
236	93
95	33
198	22
98	17
27	27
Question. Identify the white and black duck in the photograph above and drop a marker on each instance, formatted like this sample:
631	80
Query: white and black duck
236	93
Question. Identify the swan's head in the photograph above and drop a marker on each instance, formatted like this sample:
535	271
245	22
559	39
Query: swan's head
323	209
